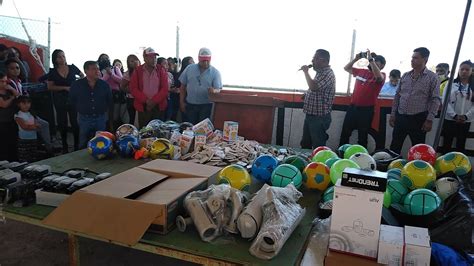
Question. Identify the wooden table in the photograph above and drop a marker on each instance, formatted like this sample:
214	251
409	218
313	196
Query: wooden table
184	246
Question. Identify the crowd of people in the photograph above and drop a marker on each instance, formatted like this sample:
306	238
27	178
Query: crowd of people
417	97
101	96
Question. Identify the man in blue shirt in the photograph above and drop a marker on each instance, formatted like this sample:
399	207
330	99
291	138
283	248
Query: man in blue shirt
91	97
390	87
197	82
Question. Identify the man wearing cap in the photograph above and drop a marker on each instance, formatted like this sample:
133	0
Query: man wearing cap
368	83
149	87
91	97
197	82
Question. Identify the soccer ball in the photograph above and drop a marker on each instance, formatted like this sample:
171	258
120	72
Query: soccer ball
263	166
418	174
329	162
320	148
455	162
364	160
106	134
126	130
446	187
338	167
353	149
100	147
394	173
422	152
328	194
162	148
398	163
381	156
127	145
323	156
316	176
421	202
236	176
147	143
397	190
343	149
297	161
387	199
285	174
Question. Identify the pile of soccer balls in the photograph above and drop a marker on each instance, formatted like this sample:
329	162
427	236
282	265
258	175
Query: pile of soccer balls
128	143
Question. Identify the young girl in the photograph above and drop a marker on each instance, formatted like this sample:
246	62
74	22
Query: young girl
460	111
27	127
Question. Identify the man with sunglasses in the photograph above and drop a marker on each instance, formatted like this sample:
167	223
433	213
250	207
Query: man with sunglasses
197	82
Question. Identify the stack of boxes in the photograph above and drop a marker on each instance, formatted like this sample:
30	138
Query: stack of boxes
355	224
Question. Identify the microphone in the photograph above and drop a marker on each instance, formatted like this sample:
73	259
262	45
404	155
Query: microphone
310	66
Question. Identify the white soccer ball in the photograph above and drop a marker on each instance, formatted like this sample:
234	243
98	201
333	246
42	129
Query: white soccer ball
365	161
446	186
381	156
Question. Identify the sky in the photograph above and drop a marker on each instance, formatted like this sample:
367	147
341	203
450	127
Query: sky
254	43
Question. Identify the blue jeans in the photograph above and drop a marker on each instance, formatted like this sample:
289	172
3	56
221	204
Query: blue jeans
195	113
88	125
314	131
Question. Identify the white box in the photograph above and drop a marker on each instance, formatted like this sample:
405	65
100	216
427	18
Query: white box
230	131
417	246
391	243
355	221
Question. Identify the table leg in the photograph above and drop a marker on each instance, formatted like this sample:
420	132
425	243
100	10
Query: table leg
73	243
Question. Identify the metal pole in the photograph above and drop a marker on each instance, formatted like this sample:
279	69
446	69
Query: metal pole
350	59
451	78
177	46
48	53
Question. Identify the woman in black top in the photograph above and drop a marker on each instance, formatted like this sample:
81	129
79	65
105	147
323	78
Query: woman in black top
60	79
8	127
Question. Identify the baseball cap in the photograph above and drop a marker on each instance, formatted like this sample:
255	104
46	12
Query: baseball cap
204	54
149	51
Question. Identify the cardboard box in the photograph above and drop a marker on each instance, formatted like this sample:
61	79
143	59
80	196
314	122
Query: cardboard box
371	180
339	259
199	140
122	207
417	246
391	244
49	198
355	222
204	127
230	131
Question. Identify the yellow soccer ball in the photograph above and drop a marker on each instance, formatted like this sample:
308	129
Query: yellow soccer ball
236	176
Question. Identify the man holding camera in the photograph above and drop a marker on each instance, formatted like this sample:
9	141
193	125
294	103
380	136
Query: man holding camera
416	102
368	83
318	101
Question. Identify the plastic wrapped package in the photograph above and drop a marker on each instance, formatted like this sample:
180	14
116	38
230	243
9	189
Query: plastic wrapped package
251	217
215	209
281	215
318	243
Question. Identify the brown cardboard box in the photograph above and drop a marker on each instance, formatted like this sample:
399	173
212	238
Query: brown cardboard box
339	259
148	196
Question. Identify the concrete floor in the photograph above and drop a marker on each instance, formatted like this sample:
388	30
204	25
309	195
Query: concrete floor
24	244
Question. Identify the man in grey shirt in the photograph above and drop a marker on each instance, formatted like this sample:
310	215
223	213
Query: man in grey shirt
416	102
197	82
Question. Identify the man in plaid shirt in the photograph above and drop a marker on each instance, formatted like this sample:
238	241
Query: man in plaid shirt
318	101
416	102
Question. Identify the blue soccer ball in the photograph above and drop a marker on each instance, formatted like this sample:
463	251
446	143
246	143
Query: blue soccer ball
127	145
100	147
263	166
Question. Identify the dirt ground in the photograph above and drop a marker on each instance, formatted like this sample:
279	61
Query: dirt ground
24	244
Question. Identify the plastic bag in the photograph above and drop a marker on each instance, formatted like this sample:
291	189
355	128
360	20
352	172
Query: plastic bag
382	164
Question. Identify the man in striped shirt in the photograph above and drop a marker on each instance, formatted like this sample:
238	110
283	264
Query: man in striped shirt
318	101
416	102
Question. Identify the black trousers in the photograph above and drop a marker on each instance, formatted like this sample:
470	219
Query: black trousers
408	125
63	111
131	110
360	118
452	130
8	141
